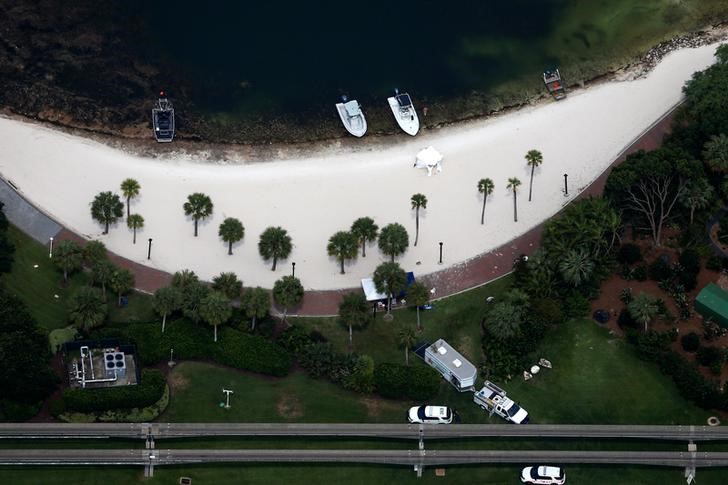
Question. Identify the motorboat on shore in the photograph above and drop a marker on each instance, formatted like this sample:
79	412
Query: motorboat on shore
352	116
163	119
552	80
404	112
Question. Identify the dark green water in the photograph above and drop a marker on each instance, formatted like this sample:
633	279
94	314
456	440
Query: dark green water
270	57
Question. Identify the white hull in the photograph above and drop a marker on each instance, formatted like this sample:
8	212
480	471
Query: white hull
406	117
356	125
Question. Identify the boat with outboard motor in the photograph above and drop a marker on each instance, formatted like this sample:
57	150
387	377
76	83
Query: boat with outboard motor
163	119
352	116
404	112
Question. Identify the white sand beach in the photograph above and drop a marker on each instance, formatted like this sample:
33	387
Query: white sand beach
314	197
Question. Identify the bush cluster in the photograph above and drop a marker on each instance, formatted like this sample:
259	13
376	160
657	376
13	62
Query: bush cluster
690	342
416	382
629	253
147	392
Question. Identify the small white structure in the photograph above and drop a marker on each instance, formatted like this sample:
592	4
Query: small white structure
454	367
429	158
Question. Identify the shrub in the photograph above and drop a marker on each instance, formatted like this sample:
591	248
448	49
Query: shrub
629	253
318	359
689	381
690	260
146	393
625	296
715	263
659	270
546	311
294	339
251	352
688	279
416	382
625	320
651	344
576	306
690	342
361	377
709	356
639	273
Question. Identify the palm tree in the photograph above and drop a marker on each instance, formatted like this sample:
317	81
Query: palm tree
215	309
198	206
354	312
407	339
389	279
107	208
231	231
67	257
101	273
134	222
255	302
87	308
643	308
192	296
576	267
122	280
183	279
274	243
393	240
513	184
287	292
365	230
485	187
418	201
167	299
130	189
697	195
715	152
534	158
418	295
504	320
342	246
228	284
93	252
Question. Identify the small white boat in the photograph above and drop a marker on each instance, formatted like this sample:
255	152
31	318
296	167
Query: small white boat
352	116
404	112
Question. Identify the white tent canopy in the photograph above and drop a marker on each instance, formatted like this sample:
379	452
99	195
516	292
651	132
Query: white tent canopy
370	291
429	158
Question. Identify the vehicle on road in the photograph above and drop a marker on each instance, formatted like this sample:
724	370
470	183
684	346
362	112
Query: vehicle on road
430	415
494	400
543	475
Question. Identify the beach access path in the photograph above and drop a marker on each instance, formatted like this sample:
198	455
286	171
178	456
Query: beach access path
582	136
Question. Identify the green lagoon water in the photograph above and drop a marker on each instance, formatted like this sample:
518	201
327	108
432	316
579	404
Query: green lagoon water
265	58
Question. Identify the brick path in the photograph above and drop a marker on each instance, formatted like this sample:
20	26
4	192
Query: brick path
475	272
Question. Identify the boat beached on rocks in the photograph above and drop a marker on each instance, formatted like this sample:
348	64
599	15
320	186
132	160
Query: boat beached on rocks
352	116
404	112
163	119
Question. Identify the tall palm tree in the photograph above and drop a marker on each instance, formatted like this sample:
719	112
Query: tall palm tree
485	187
407	339
167	299
418	295
393	240
93	252
418	201
68	257
274	243
198	206
106	209
122	280
87	308
576	267
697	195
129	188
134	222
228	284
534	158
255	302
101	274
365	230
342	246
513	184
231	231
389	279
287	292
192	296
354	312
643	308
215	309
183	279
715	152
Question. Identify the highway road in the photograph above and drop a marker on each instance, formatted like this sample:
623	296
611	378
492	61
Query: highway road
161	457
395	431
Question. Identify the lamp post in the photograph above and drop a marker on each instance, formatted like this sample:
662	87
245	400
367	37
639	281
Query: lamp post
149	251
566	186
171	362
227	397
440	262
293	271
50	250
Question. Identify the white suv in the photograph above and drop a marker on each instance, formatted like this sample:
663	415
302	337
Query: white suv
430	414
544	475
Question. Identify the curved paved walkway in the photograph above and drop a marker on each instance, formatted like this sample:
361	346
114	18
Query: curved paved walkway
475	272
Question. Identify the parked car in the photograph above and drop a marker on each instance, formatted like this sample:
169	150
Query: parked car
543	475
430	414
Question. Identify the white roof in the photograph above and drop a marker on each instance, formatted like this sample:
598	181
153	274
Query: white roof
370	290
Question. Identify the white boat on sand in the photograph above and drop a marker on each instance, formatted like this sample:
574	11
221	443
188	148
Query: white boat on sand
404	112
352	116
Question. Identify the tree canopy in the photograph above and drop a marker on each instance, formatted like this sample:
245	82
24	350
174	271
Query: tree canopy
255	302
106	209
275	243
354	311
231	231
365	230
287	292
198	206
87	308
343	245
393	240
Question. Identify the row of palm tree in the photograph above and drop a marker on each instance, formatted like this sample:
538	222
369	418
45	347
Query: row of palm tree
534	158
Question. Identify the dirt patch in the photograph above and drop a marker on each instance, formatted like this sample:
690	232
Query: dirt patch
177	381
375	406
289	407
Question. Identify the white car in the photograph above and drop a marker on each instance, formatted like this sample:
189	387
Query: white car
430	414
543	475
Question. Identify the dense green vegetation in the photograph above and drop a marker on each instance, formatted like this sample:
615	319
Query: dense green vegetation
146	393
